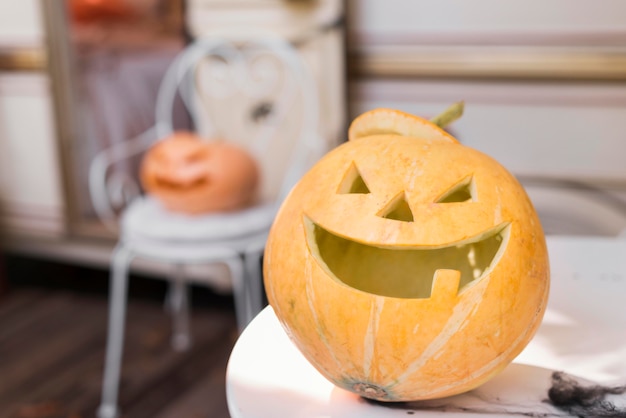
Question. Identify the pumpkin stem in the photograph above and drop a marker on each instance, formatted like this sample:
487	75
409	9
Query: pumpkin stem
449	115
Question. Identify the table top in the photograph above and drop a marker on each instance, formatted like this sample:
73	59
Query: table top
583	334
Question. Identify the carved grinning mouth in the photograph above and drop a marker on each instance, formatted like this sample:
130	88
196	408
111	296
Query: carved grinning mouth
167	183
404	272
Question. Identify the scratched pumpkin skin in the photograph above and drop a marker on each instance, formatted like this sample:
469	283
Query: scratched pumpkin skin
407	267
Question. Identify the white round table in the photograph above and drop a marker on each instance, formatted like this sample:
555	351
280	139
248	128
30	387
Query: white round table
267	376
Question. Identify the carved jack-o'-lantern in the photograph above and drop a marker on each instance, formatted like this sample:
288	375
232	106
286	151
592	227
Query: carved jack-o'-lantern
193	176
406	266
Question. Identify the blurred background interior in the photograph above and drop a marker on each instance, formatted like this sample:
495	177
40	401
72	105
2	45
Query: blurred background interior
544	85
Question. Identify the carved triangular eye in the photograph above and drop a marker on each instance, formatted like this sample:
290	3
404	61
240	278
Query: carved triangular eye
398	209
463	191
353	182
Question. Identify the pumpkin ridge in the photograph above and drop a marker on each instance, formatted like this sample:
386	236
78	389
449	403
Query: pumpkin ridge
369	342
494	366
460	315
310	293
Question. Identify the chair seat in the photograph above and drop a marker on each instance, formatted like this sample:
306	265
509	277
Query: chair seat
146	219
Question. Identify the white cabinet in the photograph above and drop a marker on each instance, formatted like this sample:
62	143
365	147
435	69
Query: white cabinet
458	18
31	199
567	130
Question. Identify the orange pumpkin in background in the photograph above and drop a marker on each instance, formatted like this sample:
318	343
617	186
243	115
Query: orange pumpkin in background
89	11
406	266
191	175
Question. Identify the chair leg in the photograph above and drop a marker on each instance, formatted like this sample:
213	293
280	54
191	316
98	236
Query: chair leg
254	282
235	265
179	305
117	312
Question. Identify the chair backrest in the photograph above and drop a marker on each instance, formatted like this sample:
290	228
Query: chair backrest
258	92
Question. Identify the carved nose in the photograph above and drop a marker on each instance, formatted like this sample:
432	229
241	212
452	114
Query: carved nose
397	209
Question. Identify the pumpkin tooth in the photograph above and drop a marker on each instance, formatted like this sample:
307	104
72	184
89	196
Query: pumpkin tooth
402	272
446	284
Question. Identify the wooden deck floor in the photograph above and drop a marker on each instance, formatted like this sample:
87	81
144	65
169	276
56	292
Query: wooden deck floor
52	337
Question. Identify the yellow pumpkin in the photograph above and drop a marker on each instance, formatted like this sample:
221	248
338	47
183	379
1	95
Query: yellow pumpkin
190	175
406	266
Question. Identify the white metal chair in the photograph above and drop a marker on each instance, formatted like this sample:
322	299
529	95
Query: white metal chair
236	239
